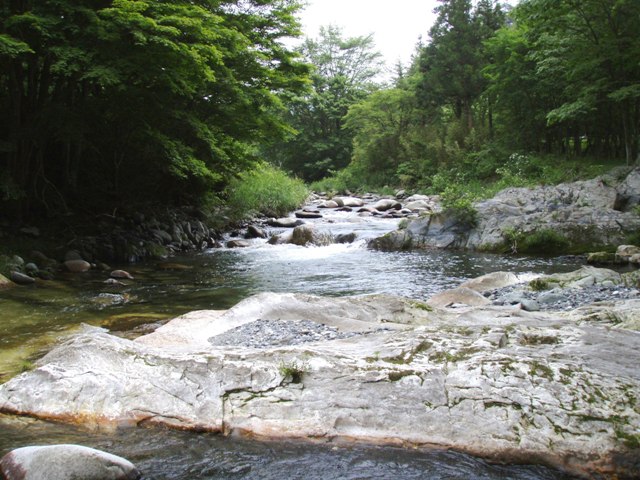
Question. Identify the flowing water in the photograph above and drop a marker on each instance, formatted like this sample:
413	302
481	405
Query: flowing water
31	319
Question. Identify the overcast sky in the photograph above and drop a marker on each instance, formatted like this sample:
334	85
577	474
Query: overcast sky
395	24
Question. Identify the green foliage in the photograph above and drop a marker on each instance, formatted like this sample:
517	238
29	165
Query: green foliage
138	101
459	203
293	370
343	73
539	285
545	241
265	190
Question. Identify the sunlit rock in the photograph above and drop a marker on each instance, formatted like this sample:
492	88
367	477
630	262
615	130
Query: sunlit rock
65	462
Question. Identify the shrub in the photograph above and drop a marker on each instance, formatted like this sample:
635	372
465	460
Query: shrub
265	190
459	203
293	370
544	241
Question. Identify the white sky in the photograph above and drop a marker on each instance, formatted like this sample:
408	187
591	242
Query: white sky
396	25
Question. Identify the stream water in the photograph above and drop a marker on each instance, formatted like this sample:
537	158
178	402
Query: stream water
31	319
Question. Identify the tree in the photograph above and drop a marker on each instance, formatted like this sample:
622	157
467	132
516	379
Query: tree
343	74
105	102
579	63
451	61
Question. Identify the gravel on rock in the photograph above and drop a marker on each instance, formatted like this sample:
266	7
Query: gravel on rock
561	299
278	333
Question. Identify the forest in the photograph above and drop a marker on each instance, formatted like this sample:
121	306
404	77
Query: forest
113	103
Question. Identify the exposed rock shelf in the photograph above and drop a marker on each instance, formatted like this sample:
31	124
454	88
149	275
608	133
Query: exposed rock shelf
587	215
496	381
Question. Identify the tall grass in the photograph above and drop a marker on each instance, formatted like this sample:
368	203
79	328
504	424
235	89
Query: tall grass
265	190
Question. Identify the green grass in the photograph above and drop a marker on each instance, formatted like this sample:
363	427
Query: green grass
265	190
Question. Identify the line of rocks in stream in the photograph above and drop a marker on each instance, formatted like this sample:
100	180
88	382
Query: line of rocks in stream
294	229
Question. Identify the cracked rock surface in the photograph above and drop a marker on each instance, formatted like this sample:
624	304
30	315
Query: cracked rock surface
562	388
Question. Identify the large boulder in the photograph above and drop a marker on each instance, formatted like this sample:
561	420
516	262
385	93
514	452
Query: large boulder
579	217
498	382
65	462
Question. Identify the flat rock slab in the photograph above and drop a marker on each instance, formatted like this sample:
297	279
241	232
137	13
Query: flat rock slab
497	382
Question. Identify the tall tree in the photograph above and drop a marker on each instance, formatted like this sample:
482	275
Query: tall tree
112	101
451	61
580	62
344	70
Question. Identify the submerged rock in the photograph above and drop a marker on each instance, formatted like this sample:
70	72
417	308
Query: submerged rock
499	382
65	462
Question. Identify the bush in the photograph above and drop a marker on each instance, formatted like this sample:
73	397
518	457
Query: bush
544	241
265	190
459	203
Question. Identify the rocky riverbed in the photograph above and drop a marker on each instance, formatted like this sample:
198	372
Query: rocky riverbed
498	381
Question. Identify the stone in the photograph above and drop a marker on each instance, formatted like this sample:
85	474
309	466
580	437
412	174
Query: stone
65	462
385	204
307	235
458	296
491	381
303	214
586	215
288	222
238	244
529	305
21	278
5	282
418	206
72	255
491	281
328	204
626	252
255	232
346	237
349	202
603	258
121	274
31	269
77	266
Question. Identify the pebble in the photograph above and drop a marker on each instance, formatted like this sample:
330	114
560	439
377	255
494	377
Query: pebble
560	299
276	333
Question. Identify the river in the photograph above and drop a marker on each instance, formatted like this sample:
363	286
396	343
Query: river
32	319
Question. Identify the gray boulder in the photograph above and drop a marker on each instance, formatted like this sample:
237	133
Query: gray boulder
255	232
65	462
586	215
77	266
387	204
21	278
287	222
